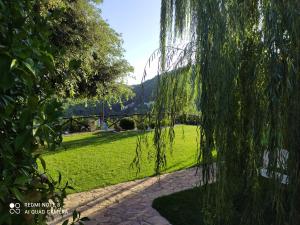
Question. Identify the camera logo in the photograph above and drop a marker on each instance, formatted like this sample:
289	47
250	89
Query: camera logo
14	208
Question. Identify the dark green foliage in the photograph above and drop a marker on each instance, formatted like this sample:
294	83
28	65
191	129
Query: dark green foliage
117	128
152	125
73	108
142	93
186	207
242	65
74	124
142	126
29	111
89	54
188	119
141	101
36	68
141	121
127	124
182	208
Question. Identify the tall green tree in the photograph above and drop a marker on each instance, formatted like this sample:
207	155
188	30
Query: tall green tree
89	54
48	50
29	111
244	57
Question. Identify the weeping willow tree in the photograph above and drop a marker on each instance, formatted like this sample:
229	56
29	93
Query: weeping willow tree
242	62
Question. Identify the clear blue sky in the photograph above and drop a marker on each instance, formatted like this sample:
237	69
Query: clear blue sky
138	23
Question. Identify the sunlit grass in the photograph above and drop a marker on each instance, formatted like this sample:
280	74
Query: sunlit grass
91	160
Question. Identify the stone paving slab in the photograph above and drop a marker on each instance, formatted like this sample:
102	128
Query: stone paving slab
128	203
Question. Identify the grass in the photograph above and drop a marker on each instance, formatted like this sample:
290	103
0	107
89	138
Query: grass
92	160
181	208
186	207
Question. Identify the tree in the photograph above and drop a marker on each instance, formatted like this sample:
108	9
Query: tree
246	74
40	64
89	54
29	111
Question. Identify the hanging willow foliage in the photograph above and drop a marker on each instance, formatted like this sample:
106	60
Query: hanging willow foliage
242	69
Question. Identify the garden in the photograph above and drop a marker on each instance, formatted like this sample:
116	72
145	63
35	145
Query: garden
211	135
91	160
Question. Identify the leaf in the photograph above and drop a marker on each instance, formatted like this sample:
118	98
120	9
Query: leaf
70	187
59	177
21	180
85	219
6	79
3	192
13	64
29	65
42	162
21	140
65	222
17	194
75	214
74	64
48	60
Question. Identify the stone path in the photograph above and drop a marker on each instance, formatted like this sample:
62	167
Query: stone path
129	203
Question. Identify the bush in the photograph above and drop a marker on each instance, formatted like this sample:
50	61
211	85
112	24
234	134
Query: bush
193	120
80	125
163	123
188	119
127	124
152	125
141	126
117	128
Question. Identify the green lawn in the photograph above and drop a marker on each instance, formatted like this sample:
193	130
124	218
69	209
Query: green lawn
91	160
186	207
181	208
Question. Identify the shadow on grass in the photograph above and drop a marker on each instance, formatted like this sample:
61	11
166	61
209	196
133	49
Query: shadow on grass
187	208
181	208
94	139
180	165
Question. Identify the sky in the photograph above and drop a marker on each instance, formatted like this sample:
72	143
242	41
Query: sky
138	22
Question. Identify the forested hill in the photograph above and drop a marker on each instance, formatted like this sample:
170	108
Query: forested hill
141	102
144	94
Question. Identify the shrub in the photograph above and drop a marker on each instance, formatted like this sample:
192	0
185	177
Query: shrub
141	126
29	113
127	123
152	125
79	125
117	128
163	123
188	119
193	120
92	124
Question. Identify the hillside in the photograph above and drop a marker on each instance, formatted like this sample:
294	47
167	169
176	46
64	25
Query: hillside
141	102
144	97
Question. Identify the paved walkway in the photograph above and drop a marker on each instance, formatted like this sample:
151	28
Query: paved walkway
129	203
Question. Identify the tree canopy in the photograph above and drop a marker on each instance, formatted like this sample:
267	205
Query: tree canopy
89	54
245	73
49	50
